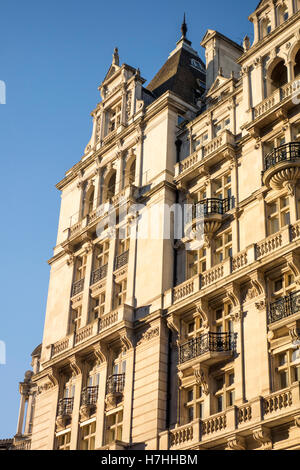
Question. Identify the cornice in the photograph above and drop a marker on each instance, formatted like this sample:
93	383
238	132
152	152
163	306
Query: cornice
253	50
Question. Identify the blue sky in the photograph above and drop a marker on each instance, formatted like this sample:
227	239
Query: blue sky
53	55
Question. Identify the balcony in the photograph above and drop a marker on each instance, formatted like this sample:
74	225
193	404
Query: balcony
282	166
209	348
89	396
114	390
99	274
209	154
284	307
211	212
282	99
121	260
77	287
64	412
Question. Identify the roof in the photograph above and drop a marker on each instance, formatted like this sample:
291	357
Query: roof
5	444
179	75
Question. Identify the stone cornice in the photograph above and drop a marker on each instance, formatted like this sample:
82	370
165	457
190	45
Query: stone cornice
263	42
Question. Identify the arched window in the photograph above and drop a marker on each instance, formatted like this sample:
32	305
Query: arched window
111	186
88	201
132	172
265	27
297	65
282	14
278	77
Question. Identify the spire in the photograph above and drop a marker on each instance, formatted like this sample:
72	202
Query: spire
116	56
183	28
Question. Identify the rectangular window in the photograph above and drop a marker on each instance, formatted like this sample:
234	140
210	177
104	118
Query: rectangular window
114	423
63	441
278	215
88	434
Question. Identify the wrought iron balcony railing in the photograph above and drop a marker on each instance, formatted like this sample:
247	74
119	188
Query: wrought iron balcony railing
285	153
77	287
209	342
121	260
89	395
284	307
65	406
99	274
212	206
115	383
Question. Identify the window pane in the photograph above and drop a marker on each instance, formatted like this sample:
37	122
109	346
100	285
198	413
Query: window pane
220	404
283	380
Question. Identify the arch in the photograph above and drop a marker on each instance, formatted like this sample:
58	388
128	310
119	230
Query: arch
297	63
109	185
264	27
282	13
277	75
88	199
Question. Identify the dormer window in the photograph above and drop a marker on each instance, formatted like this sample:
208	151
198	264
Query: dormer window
265	27
282	14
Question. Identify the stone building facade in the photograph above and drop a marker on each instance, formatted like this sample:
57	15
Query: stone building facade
160	340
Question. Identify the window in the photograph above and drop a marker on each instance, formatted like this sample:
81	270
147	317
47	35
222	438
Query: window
224	391
111	186
196	262
88	434
69	388
221	125
114	118
223	247
76	318
94	377
194	403
64	441
223	319
124	240
287	366
119	363
222	187
281	285
193	326
101	253
120	292
98	306
278	214
114	423
80	267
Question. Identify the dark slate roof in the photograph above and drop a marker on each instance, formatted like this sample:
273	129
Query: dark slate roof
5	444
179	76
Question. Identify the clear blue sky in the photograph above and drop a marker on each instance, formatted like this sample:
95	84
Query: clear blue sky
53	55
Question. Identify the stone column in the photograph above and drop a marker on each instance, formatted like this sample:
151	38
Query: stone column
21	414
101	354
273	17
28	413
77	370
256	28
139	159
97	186
123	108
86	291
110	277
128	393
131	272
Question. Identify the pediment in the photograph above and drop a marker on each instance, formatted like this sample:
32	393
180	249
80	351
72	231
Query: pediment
111	71
218	83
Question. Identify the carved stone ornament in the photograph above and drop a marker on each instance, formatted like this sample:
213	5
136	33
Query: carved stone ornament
201	376
263	436
236	443
148	335
261	305
202	309
62	421
86	411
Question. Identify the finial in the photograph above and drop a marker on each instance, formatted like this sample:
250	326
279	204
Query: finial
246	43
116	56
184	28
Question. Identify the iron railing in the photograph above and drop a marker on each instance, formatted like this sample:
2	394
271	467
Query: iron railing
285	153
209	342
122	259
77	287
65	406
99	274
211	206
115	383
89	395
284	307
